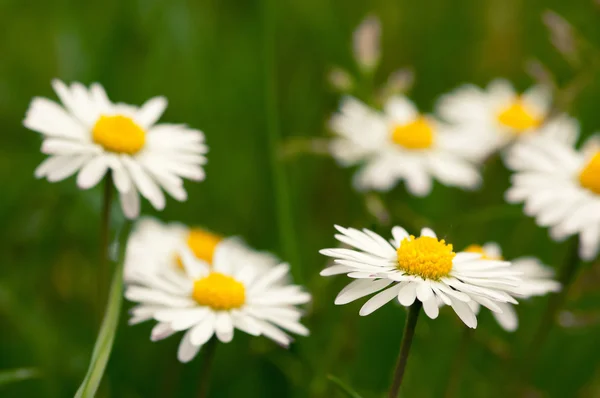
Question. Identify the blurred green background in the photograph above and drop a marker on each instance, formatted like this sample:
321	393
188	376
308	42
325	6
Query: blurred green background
208	59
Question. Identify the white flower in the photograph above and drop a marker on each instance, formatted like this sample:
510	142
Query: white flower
536	281
206	301
498	115
424	268
400	144
90	135
560	187
155	246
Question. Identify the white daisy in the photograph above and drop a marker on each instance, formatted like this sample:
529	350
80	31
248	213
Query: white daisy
400	144
90	135
154	246
206	301
424	268
498	115
536	281
560	187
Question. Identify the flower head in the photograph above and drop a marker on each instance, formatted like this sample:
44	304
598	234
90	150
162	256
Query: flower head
498	115
202	300
560	187
424	268
536	281
89	135
400	144
155	246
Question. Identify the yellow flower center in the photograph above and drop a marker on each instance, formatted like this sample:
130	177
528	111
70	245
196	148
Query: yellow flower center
417	134
590	175
426	257
519	117
203	244
219	292
119	134
480	250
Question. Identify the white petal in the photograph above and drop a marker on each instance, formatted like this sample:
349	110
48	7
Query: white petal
246	323
151	111
508	318
91	174
399	235
464	312
431	308
224	326
144	183
428	232
360	288
424	292
380	299
274	333
187	351
130	203
203	331
119	174
161	331
408	294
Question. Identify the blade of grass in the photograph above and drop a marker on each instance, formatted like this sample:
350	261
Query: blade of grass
9	376
345	388
283	206
105	339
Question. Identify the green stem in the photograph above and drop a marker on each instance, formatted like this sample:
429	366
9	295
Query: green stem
103	268
555	302
458	363
207	360
407	337
104	342
282	194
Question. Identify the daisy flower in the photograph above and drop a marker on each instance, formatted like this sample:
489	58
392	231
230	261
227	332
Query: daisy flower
89	135
498	115
560	187
424	268
154	246
536	281
204	301
400	144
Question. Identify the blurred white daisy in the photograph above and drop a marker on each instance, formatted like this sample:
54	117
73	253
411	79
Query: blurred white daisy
206	301
498	115
536	281
424	268
560	187
89	135
400	144
154	246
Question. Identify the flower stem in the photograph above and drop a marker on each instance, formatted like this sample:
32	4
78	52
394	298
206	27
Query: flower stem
407	337
566	277
282	194
207	361
459	362
103	271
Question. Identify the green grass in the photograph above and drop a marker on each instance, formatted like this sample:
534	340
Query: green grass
207	59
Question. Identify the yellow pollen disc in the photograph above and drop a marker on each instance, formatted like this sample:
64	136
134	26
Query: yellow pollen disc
519	117
203	244
414	135
426	257
590	175
119	134
480	250
219	291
